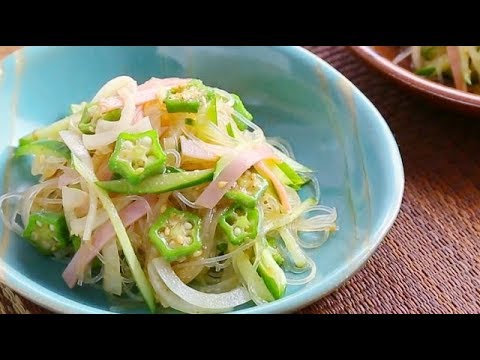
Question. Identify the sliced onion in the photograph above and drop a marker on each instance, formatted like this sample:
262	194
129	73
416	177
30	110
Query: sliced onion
112	278
214	192
111	88
169	299
223	286
74	143
71	199
69	177
148	91
222	301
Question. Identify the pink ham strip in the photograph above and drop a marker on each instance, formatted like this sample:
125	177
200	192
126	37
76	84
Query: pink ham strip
455	62
214	192
194	150
101	236
277	184
145	93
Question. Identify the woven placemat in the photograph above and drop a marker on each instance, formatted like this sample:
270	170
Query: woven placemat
430	260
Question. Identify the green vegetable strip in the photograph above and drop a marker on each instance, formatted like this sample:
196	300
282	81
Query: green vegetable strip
44	147
159	183
50	131
297	180
272	274
254	282
132	260
293	248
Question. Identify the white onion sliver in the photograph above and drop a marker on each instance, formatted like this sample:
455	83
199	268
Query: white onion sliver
75	144
111	88
229	299
168	298
112	278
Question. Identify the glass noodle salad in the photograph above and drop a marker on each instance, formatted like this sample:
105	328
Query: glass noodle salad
446	63
167	193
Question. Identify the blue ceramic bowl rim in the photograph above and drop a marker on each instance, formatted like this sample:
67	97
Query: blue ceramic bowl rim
57	303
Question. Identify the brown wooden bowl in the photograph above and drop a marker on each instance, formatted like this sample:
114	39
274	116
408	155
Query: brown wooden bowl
380	58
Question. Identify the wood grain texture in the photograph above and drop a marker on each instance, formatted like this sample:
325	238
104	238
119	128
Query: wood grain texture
430	260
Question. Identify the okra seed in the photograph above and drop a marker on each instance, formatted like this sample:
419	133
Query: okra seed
188	239
38	223
237	231
188	226
167	231
128	145
146	141
51	227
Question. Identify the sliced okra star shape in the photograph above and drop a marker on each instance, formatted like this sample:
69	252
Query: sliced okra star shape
137	156
47	231
176	234
248	189
240	223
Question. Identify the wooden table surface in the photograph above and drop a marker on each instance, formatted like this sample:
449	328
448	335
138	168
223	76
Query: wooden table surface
430	260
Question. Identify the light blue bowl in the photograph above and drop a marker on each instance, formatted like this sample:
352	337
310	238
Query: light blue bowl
330	124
